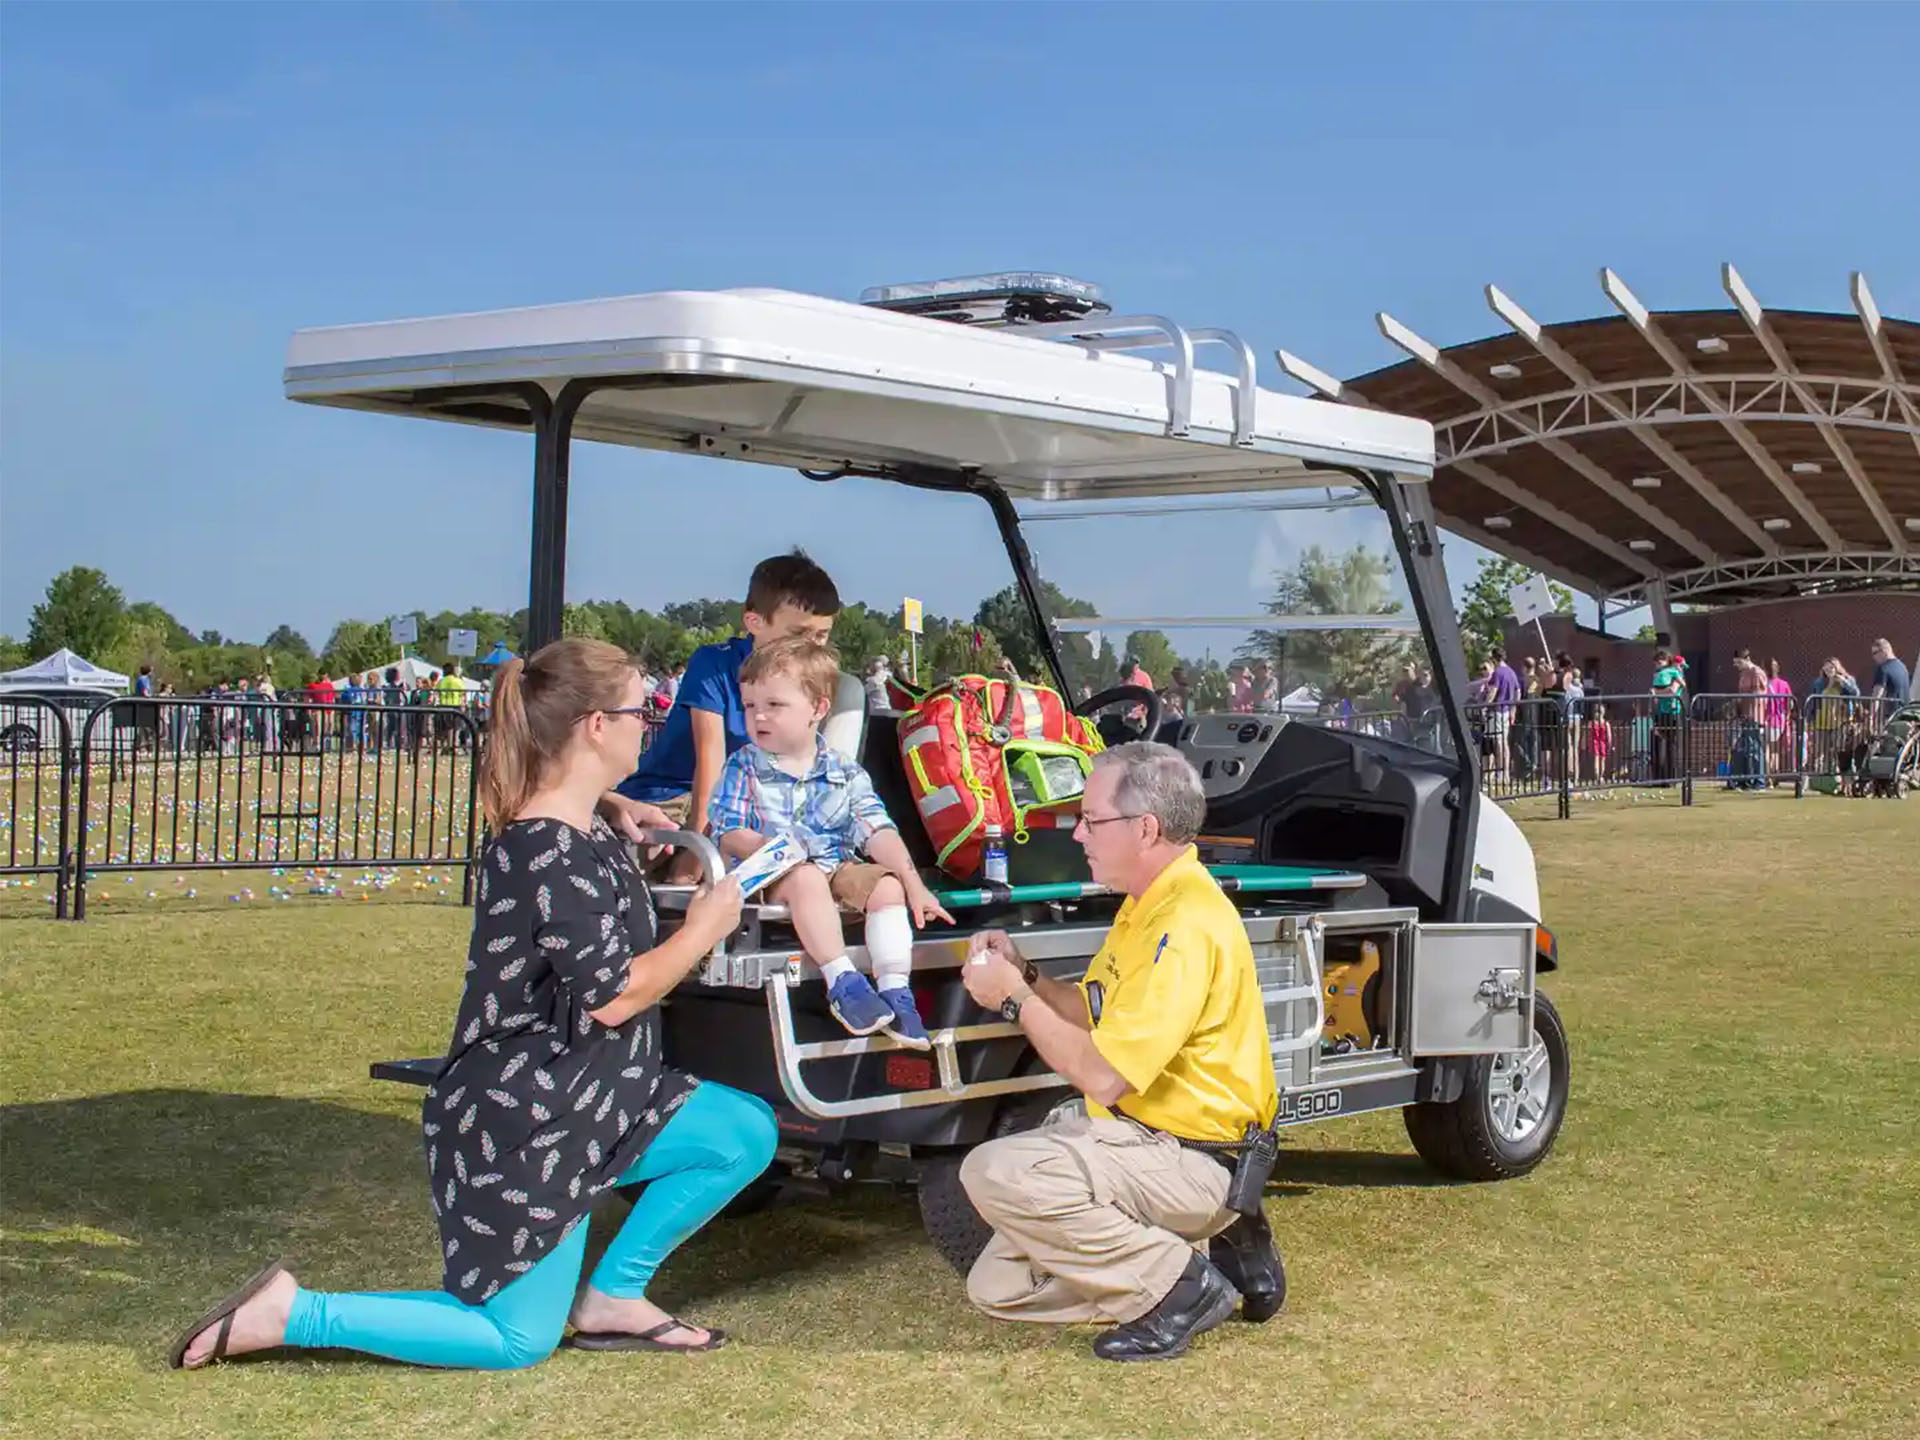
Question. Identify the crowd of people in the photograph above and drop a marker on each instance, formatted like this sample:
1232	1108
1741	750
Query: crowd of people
1551	714
373	710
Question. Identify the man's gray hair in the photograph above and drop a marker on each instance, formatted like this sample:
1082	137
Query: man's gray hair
1157	780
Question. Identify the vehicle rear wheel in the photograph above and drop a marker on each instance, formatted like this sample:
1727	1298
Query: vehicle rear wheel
948	1216
1507	1118
19	740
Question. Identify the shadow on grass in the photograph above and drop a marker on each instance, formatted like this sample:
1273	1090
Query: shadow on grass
121	1214
1300	1172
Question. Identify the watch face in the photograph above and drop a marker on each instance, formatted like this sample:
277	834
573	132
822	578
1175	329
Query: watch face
1010	1009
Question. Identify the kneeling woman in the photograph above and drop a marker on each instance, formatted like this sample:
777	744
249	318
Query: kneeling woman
554	1092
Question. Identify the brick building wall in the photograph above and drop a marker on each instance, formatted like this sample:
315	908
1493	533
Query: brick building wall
1800	633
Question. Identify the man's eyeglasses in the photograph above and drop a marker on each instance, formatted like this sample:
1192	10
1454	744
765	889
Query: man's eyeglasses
1090	821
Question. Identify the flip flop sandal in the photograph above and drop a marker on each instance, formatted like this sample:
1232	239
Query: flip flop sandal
222	1314
645	1339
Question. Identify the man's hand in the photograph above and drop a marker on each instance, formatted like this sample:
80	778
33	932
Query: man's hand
921	903
630	817
993	969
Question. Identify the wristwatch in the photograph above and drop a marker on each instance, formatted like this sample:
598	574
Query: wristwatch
1010	1007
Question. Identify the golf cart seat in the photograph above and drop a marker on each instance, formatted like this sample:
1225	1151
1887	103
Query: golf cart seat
845	728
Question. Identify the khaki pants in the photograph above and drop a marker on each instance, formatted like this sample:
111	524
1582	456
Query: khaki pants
1092	1219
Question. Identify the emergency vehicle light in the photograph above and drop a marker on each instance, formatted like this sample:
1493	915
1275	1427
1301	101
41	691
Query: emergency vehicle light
1005	297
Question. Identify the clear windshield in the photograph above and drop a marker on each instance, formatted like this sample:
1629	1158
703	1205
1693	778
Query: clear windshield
1282	601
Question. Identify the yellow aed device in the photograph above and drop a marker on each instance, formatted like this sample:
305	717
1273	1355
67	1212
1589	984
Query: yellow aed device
1352	993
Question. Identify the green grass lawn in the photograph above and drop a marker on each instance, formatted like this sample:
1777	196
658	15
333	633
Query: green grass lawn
1724	1243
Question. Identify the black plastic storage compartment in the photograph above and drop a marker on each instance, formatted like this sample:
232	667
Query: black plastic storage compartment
1357	834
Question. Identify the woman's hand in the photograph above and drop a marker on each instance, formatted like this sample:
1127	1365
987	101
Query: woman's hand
713	913
630	817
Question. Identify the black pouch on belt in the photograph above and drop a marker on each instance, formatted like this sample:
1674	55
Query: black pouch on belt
1258	1151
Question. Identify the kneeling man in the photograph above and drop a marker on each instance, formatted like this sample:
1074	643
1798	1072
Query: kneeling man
1106	1216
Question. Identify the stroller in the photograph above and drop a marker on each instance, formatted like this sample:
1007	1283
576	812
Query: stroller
1889	765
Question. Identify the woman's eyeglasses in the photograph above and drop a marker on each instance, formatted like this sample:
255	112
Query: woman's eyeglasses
640	710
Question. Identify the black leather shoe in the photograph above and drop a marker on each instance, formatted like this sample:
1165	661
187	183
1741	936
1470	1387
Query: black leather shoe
1199	1300
1245	1253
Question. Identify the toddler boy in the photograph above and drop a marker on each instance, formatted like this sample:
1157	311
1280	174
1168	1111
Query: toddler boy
786	781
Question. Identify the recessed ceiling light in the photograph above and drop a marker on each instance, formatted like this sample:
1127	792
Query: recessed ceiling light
1913	522
1498	522
1775	524
1806	467
1642	545
1504	371
1667	412
1710	345
1646	482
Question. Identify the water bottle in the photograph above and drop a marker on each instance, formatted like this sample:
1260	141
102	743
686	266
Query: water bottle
993	866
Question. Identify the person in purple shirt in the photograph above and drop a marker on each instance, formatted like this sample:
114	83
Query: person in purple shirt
1503	691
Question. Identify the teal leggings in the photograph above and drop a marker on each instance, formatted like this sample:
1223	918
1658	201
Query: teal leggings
715	1144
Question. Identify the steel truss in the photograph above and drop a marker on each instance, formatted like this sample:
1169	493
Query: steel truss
1843	570
1678	400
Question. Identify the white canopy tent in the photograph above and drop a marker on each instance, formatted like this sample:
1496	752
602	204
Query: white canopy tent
66	671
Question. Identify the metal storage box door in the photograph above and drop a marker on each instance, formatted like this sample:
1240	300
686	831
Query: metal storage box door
1472	989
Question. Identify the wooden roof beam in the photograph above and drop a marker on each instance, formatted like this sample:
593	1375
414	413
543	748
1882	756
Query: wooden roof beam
1869	314
1429	354
1530	330
1552	569
1756	318
1317	379
1628	304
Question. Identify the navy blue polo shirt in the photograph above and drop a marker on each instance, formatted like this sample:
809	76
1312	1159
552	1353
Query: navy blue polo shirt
712	683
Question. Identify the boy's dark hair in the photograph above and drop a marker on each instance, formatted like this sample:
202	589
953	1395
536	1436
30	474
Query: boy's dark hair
791	579
1499	655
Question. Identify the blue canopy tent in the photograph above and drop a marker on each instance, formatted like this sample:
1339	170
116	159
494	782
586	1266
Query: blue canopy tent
499	655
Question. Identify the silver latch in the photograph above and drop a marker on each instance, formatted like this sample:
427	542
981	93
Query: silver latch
1500	990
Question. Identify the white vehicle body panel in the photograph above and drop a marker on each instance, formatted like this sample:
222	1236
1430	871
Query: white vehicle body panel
1503	860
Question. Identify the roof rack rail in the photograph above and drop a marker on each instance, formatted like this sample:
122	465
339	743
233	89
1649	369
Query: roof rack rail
1152	332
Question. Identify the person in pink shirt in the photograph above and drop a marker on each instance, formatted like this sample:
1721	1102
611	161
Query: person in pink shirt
1242	689
1779	714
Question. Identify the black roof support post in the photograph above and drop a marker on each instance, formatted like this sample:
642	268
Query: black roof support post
547	565
1416	534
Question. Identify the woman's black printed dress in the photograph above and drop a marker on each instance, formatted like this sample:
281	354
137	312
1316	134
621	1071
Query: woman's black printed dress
540	1108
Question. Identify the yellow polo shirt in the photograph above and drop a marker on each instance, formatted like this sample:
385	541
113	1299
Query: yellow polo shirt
1176	1009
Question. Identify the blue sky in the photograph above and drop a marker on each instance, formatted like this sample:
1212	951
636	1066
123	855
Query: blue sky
181	187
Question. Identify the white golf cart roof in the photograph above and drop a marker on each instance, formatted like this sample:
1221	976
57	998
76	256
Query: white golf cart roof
797	380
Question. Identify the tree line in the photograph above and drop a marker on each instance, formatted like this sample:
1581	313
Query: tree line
85	612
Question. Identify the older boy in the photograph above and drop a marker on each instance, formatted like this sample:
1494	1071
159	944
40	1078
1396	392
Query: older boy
787	595
785	781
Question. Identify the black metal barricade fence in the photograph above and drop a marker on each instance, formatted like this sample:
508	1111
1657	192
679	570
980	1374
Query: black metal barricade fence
227	784
1522	748
1838	730
1747	741
1629	742
34	732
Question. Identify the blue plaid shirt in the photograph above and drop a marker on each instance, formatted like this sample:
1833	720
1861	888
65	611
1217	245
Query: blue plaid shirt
832	809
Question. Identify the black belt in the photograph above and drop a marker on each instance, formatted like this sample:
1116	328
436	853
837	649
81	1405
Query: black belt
1227	1152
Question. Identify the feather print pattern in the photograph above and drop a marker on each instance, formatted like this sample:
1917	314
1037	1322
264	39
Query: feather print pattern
514	1170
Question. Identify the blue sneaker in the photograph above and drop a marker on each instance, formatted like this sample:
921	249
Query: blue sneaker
857	1005
907	1028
